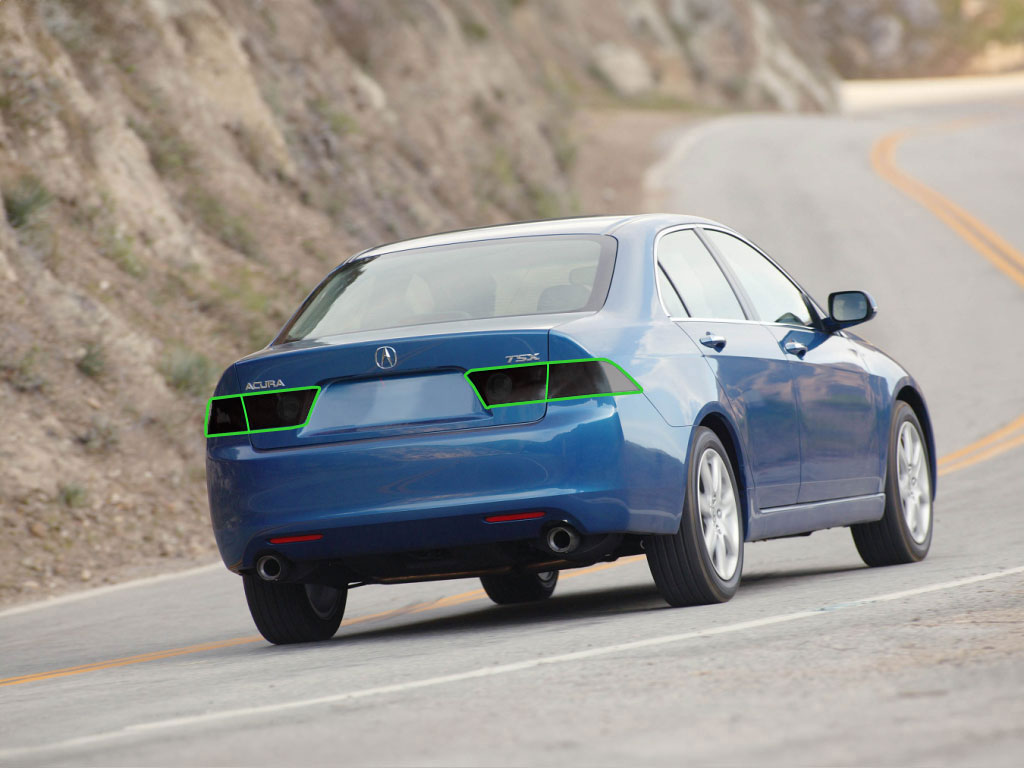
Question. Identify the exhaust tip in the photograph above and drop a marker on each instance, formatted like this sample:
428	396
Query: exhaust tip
562	539
270	568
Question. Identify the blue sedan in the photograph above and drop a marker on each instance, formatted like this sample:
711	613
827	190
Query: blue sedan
507	402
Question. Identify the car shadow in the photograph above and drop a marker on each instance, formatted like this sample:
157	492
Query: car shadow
572	607
579	606
754	580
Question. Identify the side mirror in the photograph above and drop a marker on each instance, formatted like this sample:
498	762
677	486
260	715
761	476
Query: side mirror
847	308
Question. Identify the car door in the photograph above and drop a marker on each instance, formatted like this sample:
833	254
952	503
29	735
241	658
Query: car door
837	403
751	369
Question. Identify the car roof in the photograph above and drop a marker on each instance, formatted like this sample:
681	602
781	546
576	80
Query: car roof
581	225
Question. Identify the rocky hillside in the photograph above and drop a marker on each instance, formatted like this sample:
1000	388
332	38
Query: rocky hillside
177	174
910	38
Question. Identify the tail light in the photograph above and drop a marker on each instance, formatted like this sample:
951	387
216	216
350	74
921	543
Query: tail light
541	382
512	385
264	412
225	416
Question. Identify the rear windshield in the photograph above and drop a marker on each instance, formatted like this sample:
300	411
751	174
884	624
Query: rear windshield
468	281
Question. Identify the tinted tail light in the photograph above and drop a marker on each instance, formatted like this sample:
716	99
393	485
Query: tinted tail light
514	385
283	409
588	378
541	382
265	412
225	416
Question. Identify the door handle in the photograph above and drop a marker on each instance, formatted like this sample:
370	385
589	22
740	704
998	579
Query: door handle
711	340
795	348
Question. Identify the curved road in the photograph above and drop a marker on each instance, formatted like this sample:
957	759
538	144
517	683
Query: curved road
817	661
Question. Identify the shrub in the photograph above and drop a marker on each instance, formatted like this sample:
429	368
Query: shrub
94	361
187	371
25	199
227	227
22	372
120	249
170	155
100	437
72	495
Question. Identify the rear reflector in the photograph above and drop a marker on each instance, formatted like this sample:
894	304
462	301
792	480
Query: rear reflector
294	539
557	380
514	516
265	412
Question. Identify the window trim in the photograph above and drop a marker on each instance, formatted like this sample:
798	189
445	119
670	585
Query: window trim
660	270
741	295
740	298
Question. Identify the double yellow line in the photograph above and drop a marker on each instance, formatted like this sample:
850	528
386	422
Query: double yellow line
1000	441
995	249
979	236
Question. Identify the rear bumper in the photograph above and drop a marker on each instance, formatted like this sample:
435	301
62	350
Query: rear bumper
608	465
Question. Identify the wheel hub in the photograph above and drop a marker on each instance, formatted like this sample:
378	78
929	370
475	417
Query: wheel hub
719	513
913	481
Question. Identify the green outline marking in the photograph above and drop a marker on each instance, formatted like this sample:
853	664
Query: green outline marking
547	382
245	412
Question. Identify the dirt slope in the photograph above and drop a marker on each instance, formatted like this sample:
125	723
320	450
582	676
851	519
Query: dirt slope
176	174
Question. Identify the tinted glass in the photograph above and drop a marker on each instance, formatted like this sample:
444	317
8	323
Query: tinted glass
775	298
669	297
469	281
697	277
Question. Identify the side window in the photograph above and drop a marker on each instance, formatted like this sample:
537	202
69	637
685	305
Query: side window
698	278
775	298
669	297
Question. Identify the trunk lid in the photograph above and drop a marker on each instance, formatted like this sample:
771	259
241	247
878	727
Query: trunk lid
419	385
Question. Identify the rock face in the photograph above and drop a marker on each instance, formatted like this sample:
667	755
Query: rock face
177	174
907	38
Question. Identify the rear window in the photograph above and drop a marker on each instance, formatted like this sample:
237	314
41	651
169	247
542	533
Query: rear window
468	281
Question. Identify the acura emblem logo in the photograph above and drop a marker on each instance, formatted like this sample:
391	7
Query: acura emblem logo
386	357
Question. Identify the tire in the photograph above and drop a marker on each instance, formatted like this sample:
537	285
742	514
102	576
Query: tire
701	563
904	534
294	613
520	587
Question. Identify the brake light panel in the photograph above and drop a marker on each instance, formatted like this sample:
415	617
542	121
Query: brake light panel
270	411
507	385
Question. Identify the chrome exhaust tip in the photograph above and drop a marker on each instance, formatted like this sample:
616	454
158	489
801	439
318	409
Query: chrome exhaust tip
562	539
270	568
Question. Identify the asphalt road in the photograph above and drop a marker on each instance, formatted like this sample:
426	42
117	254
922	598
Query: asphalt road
817	661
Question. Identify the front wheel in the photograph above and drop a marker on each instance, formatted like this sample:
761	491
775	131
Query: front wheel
701	563
904	534
520	587
294	613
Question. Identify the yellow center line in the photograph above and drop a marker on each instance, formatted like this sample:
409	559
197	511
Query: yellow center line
444	602
977	445
983	239
995	450
978	235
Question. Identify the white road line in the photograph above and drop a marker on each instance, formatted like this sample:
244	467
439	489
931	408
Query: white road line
142	729
88	594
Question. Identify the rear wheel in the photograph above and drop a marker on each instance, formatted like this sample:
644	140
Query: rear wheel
520	587
904	534
702	562
294	613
